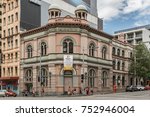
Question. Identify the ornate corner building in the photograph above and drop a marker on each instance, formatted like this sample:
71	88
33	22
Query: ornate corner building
43	51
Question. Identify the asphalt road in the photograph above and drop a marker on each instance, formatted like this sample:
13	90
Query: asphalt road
140	95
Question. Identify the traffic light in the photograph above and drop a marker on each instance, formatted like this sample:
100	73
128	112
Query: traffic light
39	79
82	78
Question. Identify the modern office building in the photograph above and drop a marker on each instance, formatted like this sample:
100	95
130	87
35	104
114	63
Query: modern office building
68	53
136	35
17	16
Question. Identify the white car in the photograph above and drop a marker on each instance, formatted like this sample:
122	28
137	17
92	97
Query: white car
140	88
2	93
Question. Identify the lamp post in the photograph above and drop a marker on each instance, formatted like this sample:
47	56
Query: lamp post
83	64
39	78
40	75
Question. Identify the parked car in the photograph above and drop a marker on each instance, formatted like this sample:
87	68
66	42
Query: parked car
140	88
147	87
2	93
131	88
10	93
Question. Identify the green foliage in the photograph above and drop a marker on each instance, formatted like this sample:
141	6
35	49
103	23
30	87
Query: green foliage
140	65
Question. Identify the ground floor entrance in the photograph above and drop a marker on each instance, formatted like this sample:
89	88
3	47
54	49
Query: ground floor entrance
28	87
68	80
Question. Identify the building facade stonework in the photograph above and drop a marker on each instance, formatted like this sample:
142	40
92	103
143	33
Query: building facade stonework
43	50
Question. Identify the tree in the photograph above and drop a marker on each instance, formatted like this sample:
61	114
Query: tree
140	64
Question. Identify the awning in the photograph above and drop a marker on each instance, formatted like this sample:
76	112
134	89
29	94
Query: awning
8	78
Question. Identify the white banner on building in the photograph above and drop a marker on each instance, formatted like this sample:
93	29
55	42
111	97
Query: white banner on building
68	62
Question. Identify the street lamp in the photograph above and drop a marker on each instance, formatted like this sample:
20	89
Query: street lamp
39	77
85	75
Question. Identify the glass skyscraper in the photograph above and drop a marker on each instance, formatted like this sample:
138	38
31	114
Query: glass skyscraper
90	4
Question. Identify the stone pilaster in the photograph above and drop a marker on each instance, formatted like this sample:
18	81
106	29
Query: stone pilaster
35	79
52	78
21	80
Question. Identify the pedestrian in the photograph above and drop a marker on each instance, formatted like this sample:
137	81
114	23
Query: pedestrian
91	91
74	91
80	91
42	92
33	92
26	92
69	90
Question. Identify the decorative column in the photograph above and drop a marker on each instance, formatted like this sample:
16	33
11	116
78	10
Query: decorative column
99	79
21	80
35	79
52	79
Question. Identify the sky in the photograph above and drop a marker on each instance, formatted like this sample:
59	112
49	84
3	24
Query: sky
123	14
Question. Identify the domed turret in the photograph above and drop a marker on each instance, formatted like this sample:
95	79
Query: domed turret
54	11
81	12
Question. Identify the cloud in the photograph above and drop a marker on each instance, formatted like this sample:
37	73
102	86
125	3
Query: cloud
109	9
132	5
141	22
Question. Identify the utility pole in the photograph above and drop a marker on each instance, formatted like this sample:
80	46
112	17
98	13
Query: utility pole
83	68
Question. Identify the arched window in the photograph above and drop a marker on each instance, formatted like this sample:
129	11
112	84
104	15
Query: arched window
118	65
91	49
104	78
44	77
28	75
104	52
113	51
91	78
114	64
123	66
68	46
123	53
118	52
29	51
43	49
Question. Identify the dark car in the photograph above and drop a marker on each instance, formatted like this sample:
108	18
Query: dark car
10	93
131	88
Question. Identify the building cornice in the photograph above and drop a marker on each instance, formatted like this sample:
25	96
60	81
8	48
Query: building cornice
66	24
